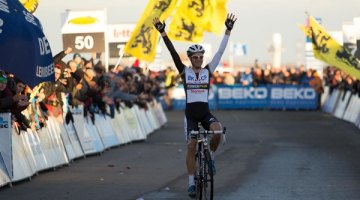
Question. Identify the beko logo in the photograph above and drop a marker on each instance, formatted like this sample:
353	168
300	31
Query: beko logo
243	93
293	93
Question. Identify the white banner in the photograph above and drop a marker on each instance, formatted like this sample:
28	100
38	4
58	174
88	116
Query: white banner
120	32
6	168
84	21
74	140
85	138
106	131
84	31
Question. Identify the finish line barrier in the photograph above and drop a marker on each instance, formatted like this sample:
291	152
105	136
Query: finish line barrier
26	154
58	144
343	105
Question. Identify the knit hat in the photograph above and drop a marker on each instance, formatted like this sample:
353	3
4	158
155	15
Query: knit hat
76	55
3	79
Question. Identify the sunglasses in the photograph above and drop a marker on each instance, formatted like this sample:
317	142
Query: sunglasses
197	57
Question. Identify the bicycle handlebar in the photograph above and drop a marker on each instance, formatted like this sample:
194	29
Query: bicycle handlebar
206	132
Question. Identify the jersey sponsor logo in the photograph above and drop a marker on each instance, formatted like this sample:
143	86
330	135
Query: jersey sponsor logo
191	78
197	91
197	86
201	78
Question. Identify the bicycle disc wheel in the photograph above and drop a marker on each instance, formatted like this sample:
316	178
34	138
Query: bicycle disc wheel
208	182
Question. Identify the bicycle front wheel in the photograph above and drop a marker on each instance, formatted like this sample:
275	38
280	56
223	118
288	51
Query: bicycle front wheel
208	179
199	177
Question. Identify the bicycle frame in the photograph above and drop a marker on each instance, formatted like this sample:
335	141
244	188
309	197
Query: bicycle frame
204	179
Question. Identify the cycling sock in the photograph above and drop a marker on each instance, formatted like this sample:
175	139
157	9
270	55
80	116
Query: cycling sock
191	180
212	155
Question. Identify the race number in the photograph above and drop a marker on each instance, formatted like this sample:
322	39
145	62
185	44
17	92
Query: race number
85	42
82	42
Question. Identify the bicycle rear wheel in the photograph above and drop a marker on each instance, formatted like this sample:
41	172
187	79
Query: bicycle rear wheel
208	179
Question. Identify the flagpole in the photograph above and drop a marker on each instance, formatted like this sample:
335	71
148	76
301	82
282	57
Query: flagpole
107	54
121	54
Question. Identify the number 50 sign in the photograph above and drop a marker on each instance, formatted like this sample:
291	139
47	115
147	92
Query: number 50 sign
85	42
84	31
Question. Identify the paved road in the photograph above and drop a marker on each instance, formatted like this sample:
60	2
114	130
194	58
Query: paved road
270	155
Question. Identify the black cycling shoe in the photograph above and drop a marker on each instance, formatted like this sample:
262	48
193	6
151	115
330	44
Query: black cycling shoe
192	191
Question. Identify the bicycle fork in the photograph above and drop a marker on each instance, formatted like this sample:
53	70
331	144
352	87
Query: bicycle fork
200	177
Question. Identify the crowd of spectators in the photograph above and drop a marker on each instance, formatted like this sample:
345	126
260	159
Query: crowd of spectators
85	82
257	76
337	79
79	81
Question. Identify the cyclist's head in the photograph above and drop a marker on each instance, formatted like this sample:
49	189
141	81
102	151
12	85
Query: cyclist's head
196	48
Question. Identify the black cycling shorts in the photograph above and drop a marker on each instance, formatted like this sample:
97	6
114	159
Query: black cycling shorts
192	125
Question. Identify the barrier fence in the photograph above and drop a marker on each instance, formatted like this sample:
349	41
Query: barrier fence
24	155
343	105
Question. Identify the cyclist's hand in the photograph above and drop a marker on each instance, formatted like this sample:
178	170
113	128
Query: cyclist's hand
160	26
230	21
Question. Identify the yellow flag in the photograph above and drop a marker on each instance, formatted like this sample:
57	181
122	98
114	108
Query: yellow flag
218	12
305	29
328	50
189	20
143	41
30	5
193	17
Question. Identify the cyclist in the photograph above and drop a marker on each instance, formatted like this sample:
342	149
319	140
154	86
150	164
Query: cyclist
196	84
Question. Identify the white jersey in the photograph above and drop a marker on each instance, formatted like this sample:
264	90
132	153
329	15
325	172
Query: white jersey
196	86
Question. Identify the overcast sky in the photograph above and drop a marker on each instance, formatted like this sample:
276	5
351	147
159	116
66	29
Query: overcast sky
257	21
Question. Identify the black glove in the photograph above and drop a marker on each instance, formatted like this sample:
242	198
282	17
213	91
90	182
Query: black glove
69	117
229	23
160	26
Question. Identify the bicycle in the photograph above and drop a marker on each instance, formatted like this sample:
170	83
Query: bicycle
204	177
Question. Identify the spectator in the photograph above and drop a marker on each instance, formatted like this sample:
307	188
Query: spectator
52	100
317	83
285	77
247	77
258	77
12	100
169	86
78	60
336	80
58	58
268	78
72	65
237	77
348	84
217	79
229	79
276	75
304	81
302	72
294	76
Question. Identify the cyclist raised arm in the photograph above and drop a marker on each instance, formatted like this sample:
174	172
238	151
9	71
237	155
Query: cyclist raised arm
197	84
